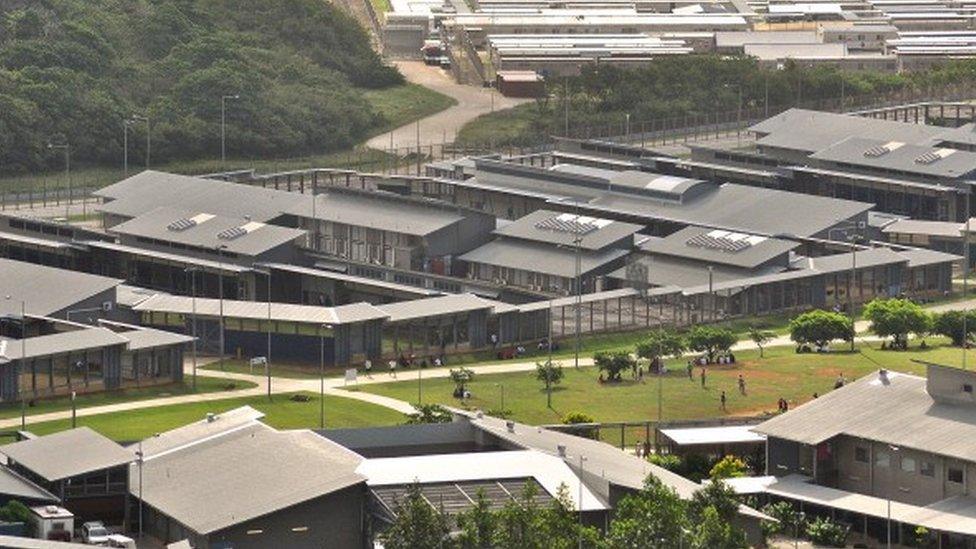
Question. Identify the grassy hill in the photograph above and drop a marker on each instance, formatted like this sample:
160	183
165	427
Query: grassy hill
74	70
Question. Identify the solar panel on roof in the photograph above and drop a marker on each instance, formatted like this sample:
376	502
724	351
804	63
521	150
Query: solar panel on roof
181	224
878	151
232	233
729	242
928	158
570	224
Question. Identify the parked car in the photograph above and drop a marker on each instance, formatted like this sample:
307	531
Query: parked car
122	542
94	533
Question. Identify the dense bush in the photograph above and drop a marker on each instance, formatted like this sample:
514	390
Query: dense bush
73	70
824	531
788	520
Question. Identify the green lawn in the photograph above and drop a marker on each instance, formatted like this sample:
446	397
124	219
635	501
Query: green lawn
782	373
509	126
278	369
406	103
204	385
381	6
282	413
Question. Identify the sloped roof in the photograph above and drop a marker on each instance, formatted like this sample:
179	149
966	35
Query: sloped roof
46	290
67	453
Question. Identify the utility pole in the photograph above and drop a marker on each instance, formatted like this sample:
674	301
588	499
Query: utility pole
965	282
223	127
67	174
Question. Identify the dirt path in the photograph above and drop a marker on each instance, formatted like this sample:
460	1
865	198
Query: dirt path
472	102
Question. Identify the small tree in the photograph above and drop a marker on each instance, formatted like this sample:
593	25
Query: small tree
896	318
710	340
661	343
655	517
820	327
613	363
430	413
417	524
478	524
760	337
461	377
549	373
950	324
713	509
728	467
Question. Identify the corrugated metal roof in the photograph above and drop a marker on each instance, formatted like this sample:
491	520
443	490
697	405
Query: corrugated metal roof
352	279
18	487
892	409
63	342
256	310
67	453
205	428
540	257
680	244
948	163
726	434
46	290
435	306
538	226
258	239
253	471
947	229
223	266
378	210
147	338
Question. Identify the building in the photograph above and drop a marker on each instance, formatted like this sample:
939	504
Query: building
541	250
55	293
86	471
231	481
885	437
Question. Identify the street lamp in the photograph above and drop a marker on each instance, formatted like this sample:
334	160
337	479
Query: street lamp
125	146
223	126
322	373
193	321
67	173
140	118
711	294
852	238
220	291
894	450
580	505
267	359
23	359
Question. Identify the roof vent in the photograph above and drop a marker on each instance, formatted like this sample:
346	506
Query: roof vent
928	158
182	224
232	234
510	425
878	151
573	224
561	450
724	241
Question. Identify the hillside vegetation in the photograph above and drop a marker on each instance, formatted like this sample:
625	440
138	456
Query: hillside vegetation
73	70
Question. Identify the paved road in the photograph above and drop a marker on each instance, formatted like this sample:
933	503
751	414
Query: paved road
472	102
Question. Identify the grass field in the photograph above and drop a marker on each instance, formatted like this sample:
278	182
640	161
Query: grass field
500	127
782	373
204	385
406	103
282	413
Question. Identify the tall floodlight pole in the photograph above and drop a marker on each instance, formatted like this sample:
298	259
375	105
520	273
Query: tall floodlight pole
965	283
67	174
223	126
139	118
125	147
193	320
220	291
577	241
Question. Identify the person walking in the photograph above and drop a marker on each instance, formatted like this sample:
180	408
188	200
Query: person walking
742	385
702	376
368	366
722	398
691	368
393	365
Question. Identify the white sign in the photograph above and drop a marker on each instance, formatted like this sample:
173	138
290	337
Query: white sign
351	375
259	361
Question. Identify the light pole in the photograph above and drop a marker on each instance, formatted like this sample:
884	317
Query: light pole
894	450
798	517
125	146
965	281
577	241
23	360
223	126
711	294
139	118
141	459
220	292
580	505
193	320
67	173
549	360
850	279
322	330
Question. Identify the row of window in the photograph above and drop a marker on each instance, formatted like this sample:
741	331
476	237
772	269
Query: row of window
908	465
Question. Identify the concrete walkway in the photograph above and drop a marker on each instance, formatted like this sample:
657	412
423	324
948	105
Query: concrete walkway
437	128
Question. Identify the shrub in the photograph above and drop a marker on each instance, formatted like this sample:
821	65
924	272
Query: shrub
786	519
728	467
430	413
613	363
824	531
576	418
670	462
820	328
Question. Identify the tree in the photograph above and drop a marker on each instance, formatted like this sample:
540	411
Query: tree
950	324
430	413
713	510
613	363
710	340
819	328
659	344
518	521
760	337
549	373
478	524
728	467
896	318
654	518
417	524
461	377
577	418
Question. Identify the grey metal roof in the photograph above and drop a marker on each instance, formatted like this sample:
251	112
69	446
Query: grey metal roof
212	265
946	229
130	296
256	310
33	241
823	129
739	39
903	158
379	210
18	487
253	471
203	429
920	257
436	306
893	409
46	290
540	257
63	342
353	279
537	226
17	542
571	300
148	338
205	233
681	244
965	134
685	273
67	453
149	190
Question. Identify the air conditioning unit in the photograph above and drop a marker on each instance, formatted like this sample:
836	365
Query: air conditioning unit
107	306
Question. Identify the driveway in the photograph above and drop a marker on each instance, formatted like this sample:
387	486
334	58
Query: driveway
472	102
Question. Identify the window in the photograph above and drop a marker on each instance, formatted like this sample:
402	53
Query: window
927	469
882	459
861	454
908	465
954	474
